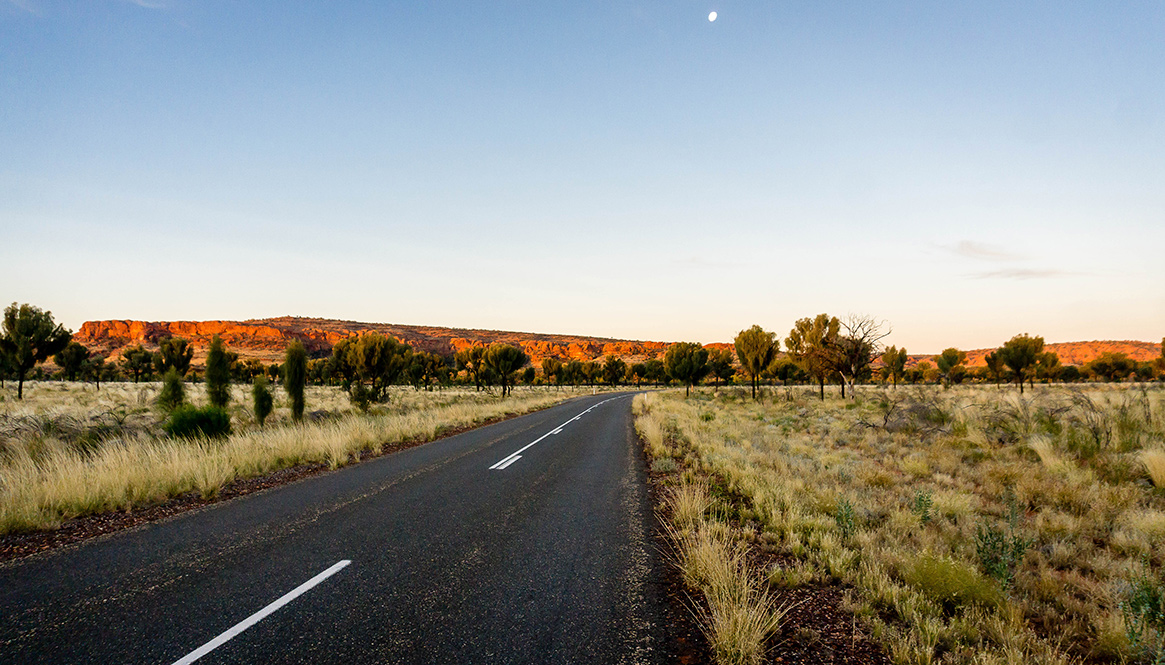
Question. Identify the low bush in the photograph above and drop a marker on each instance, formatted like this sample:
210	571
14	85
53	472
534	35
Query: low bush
173	393
952	584
190	421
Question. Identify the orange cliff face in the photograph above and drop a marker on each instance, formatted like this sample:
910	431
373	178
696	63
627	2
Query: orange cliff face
267	339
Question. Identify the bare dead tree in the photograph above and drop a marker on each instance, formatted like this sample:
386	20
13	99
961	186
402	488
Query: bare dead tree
858	345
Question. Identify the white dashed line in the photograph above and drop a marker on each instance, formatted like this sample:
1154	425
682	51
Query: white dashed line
514	456
260	615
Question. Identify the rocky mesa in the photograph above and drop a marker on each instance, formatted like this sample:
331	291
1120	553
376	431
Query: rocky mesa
267	339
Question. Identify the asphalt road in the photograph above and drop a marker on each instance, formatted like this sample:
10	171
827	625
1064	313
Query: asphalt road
546	559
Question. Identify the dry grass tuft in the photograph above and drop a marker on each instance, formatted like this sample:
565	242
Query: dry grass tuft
1154	463
740	616
688	503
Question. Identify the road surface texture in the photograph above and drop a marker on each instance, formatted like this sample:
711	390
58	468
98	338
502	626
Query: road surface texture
424	556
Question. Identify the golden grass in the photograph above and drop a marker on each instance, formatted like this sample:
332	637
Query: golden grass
46	478
739	614
1154	462
894	493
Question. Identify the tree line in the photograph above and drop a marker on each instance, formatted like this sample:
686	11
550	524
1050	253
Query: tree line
818	350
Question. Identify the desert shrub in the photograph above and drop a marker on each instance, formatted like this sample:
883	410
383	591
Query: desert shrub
295	377
218	374
1143	611
361	396
173	393
846	519
664	465
952	584
264	402
922	504
1000	551
189	421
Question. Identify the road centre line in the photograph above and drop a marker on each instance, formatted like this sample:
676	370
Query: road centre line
510	461
261	614
513	457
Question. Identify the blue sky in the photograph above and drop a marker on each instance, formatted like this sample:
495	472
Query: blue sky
965	171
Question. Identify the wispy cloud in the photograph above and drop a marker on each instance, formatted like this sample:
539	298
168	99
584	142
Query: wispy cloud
982	251
1024	273
148	4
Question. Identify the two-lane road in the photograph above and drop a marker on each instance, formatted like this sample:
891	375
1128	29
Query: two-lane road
478	548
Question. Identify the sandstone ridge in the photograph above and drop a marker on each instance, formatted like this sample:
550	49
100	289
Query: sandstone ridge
267	339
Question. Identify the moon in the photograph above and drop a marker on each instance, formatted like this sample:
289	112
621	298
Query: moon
711	17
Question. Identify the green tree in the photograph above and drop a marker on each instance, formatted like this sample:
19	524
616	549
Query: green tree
372	360
656	371
1069	374
94	369
948	361
756	349
1020	354
504	360
295	378
71	358
1048	366
638	372
894	364
614	369
425	369
173	352
472	360
574	373
552	371
686	362
250	369
30	337
928	372
173	393
592	372
7	369
995	365
528	375
783	369
264	402
1111	366
813	343
218	374
318	372
720	365
137	362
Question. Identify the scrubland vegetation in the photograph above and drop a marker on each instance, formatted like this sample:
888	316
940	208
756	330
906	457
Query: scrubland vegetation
68	449
966	525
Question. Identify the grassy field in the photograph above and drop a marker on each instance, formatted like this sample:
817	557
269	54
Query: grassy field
969	525
69	450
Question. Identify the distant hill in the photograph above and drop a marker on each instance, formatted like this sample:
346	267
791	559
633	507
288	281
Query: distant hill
1071	353
267	339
